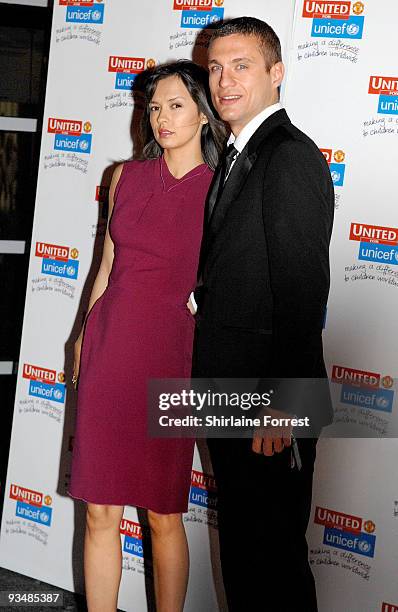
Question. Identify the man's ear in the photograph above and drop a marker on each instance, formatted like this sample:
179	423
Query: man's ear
277	73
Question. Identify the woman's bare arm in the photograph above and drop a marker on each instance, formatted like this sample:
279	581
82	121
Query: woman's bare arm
101	280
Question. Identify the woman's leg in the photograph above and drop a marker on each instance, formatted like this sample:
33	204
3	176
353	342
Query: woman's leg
102	557
170	560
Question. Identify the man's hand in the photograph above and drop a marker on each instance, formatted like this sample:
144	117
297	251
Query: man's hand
191	305
271	438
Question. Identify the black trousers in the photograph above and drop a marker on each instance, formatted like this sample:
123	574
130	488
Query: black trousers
263	511
263	503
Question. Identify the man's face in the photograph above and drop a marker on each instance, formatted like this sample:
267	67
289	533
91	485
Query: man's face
241	87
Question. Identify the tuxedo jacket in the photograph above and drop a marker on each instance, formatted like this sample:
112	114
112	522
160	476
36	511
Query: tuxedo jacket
264	261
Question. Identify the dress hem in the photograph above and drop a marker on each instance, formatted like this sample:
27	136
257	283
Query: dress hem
112	503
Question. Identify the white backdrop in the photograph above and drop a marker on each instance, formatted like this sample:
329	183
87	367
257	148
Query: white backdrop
355	565
335	54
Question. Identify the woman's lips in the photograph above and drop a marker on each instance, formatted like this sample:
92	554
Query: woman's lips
165	133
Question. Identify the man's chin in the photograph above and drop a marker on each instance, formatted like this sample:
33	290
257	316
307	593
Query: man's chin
229	115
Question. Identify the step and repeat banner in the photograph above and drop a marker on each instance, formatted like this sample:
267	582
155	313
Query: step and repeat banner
90	124
342	89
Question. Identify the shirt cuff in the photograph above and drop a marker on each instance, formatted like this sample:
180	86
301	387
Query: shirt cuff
193	302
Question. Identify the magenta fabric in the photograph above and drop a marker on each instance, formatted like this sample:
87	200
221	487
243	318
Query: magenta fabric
140	328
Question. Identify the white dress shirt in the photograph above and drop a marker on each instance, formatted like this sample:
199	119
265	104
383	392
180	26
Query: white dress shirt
247	132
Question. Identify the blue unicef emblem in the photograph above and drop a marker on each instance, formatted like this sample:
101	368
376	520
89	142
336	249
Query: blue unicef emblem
353	29
84	144
364	546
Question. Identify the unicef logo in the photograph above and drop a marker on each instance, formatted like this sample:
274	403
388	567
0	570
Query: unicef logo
382	402
96	15
70	270
44	517
57	394
353	29
396	257
84	144
335	176
364	546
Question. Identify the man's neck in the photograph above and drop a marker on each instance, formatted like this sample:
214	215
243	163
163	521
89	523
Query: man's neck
241	136
236	129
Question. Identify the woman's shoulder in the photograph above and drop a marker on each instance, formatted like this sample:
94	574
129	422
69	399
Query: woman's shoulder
139	166
133	171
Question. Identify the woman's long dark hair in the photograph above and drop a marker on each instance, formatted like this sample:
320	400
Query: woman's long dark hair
195	79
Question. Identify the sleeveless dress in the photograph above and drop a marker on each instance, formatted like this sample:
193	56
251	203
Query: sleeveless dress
140	328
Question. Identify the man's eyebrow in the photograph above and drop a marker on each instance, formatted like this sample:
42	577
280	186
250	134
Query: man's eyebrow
242	59
234	61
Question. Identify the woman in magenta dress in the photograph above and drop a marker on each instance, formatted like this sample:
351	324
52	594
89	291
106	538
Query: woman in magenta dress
139	326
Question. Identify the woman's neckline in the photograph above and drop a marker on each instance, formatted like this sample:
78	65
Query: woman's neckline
170	181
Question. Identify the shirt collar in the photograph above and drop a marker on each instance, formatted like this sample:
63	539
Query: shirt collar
241	141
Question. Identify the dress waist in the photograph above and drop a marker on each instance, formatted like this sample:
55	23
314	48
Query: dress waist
148	294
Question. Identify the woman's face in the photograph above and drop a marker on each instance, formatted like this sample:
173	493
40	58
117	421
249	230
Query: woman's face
175	118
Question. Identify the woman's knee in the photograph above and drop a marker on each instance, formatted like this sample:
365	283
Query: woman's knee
101	517
163	524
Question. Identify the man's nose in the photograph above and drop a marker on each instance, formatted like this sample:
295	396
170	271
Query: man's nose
226	78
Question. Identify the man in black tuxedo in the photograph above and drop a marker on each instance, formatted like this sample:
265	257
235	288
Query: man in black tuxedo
265	282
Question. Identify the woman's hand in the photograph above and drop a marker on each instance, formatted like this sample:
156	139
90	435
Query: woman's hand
76	362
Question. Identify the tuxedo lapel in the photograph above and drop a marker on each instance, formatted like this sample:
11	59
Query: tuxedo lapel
263	132
213	193
218	204
231	188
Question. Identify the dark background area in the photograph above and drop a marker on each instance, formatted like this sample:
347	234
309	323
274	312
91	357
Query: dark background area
24	45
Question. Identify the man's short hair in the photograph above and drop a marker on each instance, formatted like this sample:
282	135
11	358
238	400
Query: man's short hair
250	26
